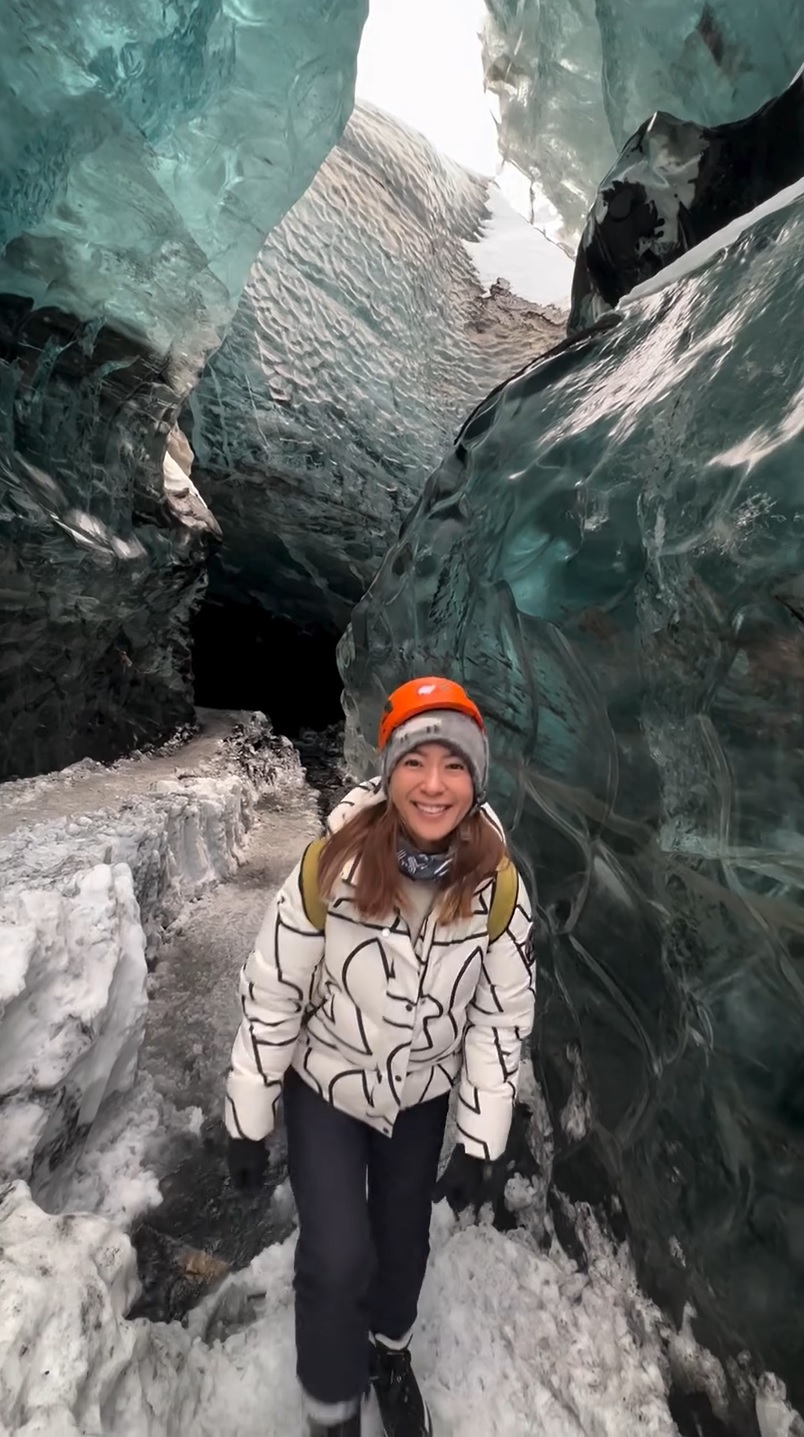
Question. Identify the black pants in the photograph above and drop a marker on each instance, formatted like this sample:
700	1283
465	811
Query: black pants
364	1203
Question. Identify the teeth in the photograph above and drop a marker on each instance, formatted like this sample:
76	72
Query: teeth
432	811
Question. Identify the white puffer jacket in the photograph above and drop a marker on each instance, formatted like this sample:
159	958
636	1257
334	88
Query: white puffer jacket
375	1022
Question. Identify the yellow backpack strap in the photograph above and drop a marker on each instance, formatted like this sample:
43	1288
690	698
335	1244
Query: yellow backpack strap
503	899
314	906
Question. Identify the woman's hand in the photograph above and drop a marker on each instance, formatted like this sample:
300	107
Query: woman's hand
470	1182
248	1162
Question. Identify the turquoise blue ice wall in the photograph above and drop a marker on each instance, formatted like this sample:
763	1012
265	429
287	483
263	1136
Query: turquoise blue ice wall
145	151
611	558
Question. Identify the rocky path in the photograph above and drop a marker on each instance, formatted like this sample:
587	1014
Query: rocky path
192	1016
208	829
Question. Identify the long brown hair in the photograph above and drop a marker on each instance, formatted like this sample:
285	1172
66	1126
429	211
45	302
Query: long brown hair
373	838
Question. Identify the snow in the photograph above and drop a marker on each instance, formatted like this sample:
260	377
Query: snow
697	257
114	1172
775	1418
96	867
70	1033
65	1283
535	266
510	1341
513	1338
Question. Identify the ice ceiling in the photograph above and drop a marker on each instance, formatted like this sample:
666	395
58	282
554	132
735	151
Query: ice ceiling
361	342
610	555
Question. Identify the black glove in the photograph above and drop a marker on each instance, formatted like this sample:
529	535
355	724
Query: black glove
247	1163
471	1182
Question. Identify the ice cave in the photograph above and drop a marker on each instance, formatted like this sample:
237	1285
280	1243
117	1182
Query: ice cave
299	400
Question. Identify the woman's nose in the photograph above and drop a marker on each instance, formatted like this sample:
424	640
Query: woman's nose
432	780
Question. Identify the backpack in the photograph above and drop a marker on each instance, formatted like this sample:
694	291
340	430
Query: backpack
501	909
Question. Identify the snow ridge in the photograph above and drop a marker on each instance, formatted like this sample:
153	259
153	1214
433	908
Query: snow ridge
86	901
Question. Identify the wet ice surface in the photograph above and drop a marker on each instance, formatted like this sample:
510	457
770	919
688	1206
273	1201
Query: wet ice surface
514	1339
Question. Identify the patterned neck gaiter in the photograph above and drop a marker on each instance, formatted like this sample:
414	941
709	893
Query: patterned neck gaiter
423	867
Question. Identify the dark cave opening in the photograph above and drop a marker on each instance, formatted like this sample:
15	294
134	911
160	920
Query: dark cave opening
247	658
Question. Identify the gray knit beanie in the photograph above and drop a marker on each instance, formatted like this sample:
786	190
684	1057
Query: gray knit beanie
455	730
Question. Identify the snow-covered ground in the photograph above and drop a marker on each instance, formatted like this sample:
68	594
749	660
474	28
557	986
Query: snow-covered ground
179	852
96	866
510	1341
512	249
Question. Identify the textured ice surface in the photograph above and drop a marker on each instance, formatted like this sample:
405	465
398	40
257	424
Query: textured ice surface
575	80
674	185
145	154
362	341
94	871
99	560
611	558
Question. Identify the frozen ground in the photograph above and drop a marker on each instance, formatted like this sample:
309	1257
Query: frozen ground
97	864
514	1339
510	1342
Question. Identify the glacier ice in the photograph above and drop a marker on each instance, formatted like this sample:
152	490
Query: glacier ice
145	154
611	559
362	340
675	184
148	151
99	562
575	80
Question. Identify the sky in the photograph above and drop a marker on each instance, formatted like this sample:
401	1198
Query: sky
420	60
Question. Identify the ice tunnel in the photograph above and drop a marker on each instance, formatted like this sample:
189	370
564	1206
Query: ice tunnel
362	341
611	558
610	555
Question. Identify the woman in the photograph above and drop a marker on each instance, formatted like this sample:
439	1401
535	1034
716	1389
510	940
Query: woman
383	973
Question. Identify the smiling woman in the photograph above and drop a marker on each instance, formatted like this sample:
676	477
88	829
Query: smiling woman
431	827
410	979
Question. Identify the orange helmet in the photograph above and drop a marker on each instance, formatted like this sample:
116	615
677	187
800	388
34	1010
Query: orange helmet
420	696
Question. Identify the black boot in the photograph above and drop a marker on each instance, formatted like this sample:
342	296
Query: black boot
402	1408
350	1427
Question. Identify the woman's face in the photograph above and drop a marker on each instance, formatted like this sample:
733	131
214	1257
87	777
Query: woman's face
431	790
